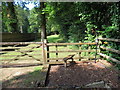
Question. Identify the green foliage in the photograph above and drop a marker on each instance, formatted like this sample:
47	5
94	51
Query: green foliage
34	21
22	16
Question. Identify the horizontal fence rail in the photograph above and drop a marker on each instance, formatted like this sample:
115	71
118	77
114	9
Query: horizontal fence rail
19	43
109	49
64	52
108	57
109	39
53	44
71	51
21	53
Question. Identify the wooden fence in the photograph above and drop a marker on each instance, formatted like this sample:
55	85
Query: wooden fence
65	52
110	49
17	50
41	52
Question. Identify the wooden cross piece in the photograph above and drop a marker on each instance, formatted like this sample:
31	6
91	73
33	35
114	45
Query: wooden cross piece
67	58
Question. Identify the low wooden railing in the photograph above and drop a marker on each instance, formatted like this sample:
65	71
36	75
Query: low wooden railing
109	49
57	59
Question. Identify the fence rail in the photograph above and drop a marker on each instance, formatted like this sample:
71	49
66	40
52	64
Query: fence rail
20	51
109	39
19	43
109	49
39	51
108	57
59	44
57	51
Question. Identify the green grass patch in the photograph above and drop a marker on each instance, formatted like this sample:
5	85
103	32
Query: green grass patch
54	39
38	68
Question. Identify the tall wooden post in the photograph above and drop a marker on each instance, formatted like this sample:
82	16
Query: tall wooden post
44	51
56	52
45	48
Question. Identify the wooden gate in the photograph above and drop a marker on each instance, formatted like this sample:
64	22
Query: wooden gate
58	51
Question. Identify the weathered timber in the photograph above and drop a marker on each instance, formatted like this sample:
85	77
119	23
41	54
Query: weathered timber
67	58
21	50
89	48
73	58
20	55
44	55
19	47
71	51
53	44
24	53
15	59
19	43
109	39
110	49
108	57
56	51
54	62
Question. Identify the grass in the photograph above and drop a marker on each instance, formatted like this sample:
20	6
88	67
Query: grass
54	39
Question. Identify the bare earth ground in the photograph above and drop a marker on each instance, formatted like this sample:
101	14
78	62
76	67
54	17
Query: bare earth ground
82	73
78	74
21	77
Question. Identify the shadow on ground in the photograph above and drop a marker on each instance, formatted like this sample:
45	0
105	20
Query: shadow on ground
77	74
27	80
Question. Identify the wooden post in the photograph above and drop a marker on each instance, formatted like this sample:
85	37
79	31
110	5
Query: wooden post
44	51
48	55
79	53
96	50
89	48
56	52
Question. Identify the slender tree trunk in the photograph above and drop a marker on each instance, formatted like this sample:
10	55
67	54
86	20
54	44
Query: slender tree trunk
43	27
21	29
12	16
43	23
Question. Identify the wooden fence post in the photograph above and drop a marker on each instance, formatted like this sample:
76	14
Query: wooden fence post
56	52
79	53
89	48
44	52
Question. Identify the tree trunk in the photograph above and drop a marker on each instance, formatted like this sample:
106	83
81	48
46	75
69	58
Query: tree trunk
43	26
43	23
12	16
